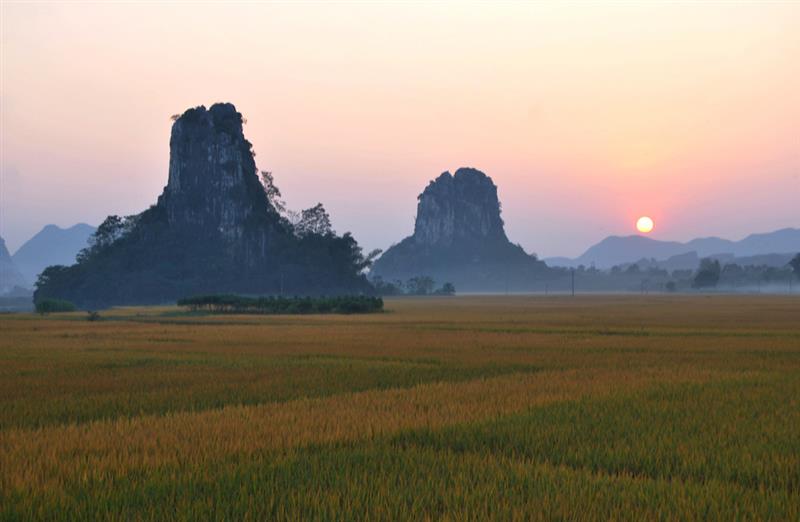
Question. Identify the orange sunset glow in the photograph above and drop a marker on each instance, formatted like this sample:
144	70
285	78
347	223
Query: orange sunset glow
581	116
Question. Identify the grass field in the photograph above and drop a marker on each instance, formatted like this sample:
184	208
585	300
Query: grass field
467	408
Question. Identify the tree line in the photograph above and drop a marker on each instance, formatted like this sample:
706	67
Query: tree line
419	285
646	276
712	273
237	304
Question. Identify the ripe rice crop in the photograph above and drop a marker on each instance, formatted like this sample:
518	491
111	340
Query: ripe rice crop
623	407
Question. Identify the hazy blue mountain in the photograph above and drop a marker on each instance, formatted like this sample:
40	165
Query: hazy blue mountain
559	261
776	260
10	275
690	261
781	241
53	245
617	250
710	245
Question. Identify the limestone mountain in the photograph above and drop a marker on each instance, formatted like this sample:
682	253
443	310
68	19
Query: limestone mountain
458	209
618	250
213	230
52	245
10	276
459	238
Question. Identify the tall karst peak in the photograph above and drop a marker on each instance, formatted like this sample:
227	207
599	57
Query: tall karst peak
459	238
213	182
460	207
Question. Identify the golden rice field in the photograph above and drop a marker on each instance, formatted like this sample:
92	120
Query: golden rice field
467	408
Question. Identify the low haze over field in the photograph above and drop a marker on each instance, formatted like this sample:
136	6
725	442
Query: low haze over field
585	118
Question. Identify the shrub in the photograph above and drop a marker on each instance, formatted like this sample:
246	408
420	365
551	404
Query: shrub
234	304
708	274
47	306
446	289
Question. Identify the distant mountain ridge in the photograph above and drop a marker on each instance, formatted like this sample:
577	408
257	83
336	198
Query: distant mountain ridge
52	245
10	275
617	250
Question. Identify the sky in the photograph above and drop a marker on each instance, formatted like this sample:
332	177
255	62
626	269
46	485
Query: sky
585	115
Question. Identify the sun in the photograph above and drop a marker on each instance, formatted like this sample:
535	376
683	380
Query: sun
644	224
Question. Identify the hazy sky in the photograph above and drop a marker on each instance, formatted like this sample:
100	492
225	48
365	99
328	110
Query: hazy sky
585	115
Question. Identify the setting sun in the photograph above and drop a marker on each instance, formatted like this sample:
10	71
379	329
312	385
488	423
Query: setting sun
644	224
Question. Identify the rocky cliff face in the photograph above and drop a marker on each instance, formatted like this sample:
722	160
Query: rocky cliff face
213	183
460	207
459	238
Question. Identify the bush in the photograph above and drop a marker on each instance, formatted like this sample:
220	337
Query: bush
446	289
47	306
708	274
235	304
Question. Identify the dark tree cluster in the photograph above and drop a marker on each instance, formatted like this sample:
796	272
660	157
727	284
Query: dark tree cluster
711	274
795	264
707	275
150	263
51	306
419	285
236	304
